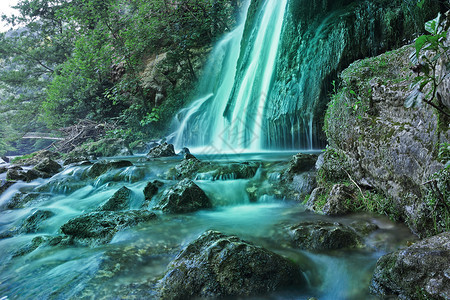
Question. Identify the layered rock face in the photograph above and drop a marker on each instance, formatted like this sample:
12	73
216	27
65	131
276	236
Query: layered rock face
385	145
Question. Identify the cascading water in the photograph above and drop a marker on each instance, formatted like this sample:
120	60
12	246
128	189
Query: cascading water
228	115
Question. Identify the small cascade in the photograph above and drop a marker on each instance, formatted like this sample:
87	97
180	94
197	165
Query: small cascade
229	112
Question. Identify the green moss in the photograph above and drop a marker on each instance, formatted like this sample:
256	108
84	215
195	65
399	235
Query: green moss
25	157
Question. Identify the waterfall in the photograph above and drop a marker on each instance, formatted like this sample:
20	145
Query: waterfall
229	112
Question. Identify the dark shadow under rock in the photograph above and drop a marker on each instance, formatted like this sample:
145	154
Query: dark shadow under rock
151	189
100	227
216	265
420	271
184	197
320	235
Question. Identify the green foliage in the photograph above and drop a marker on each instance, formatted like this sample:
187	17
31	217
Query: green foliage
24	157
151	117
84	59
430	48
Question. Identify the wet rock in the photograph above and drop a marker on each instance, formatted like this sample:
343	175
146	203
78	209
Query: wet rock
185	151
338	200
299	163
313	201
38	157
102	167
163	150
216	265
187	168
100	227
151	189
420	271
184	197
5	185
245	170
16	175
3	169
48	166
121	200
140	147
40	241
32	223
19	200
82	160
320	235
363	227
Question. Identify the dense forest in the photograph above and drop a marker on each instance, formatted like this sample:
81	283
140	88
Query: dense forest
71	60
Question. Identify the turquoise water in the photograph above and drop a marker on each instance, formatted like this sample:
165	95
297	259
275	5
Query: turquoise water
130	265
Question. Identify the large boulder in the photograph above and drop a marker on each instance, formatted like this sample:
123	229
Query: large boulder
163	150
184	197
100	227
217	266
391	148
421	271
121	200
321	235
48	166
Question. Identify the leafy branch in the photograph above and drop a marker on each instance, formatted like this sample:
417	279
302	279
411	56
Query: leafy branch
431	50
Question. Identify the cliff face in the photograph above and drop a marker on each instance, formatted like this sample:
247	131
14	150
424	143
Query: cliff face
387	147
320	39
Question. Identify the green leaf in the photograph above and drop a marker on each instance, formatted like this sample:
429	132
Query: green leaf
420	42
432	26
414	98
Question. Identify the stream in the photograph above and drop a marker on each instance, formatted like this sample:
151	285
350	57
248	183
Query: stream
136	258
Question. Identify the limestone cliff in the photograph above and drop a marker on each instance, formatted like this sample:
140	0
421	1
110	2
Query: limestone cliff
387	147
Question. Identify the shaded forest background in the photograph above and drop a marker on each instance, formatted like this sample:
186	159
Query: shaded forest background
86	59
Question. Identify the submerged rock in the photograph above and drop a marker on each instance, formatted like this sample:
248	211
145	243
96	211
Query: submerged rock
216	265
121	200
421	271
322	235
163	150
33	222
184	197
40	241
100	227
102	167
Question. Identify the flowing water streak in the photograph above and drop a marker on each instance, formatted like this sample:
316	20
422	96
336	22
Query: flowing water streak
231	119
